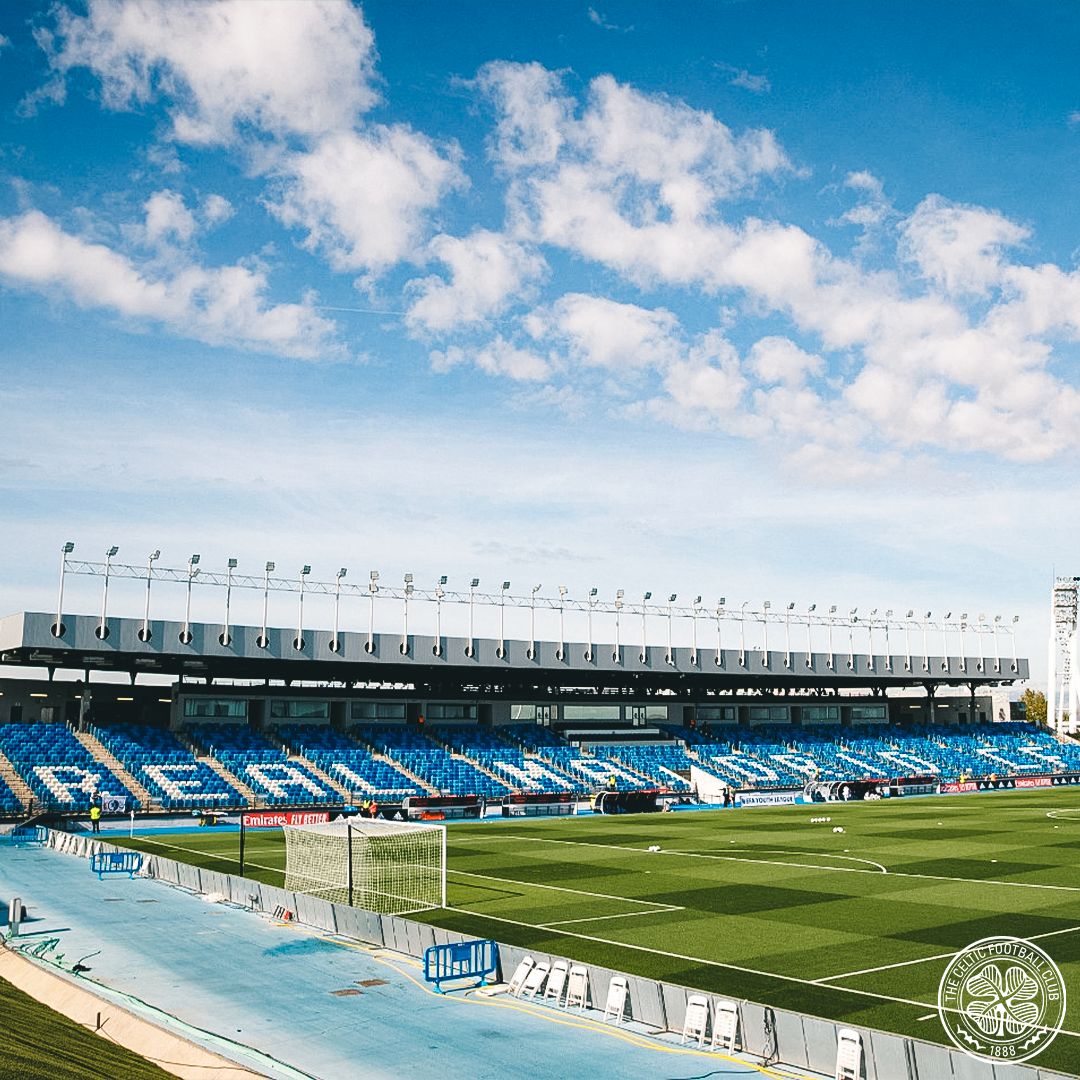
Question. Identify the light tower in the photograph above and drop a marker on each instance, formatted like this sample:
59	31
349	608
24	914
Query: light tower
1062	689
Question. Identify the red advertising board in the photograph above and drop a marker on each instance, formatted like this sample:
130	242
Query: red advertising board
956	788
1034	781
275	819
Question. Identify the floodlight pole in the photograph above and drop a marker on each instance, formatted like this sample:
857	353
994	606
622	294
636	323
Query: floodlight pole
616	656
644	631
670	658
532	622
742	634
809	636
144	633
719	658
502	619
888	644
226	639
298	644
982	648
405	615
373	588
103	629
439	594
787	635
1012	634
58	626
588	647
926	648
335	644
832	651
765	633
694	618
268	570
997	650
472	603
907	637
853	618
193	570
945	641
561	654
870	632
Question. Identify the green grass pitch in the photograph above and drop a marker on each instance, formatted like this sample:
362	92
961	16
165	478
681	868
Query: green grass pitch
759	903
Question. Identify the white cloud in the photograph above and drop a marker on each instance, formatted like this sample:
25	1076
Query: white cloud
167	217
363	198
780	360
216	209
959	248
283	67
221	306
532	112
487	269
756	84
499	357
601	333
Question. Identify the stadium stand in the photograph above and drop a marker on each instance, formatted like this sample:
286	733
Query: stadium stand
434	764
261	765
169	770
587	772
353	766
56	766
522	771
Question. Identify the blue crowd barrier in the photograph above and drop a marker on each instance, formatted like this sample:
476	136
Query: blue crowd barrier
116	862
28	834
461	960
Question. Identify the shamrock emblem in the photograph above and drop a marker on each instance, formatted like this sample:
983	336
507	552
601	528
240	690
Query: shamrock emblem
1002	1003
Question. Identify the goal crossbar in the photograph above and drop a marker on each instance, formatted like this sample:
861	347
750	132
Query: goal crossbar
390	867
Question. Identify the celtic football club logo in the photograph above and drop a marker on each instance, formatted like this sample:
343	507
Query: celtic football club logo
1002	999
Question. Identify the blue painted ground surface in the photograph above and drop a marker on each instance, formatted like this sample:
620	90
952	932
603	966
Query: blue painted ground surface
258	983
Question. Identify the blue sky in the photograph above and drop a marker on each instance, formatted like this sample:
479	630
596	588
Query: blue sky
762	300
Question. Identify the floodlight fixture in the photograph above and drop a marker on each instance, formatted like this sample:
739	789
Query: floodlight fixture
144	630
112	551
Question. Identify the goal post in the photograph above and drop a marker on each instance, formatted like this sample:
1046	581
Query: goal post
390	867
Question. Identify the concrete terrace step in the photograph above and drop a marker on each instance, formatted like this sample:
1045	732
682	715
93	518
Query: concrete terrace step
104	756
17	784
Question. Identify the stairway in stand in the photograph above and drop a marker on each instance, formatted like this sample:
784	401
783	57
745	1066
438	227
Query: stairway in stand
111	762
17	784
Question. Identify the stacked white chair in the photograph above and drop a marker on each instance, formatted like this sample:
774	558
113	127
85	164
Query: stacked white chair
616	999
535	979
577	988
725	1031
517	980
556	981
849	1054
696	1023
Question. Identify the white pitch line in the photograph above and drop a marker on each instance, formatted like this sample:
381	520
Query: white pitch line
557	888
927	959
715	963
600	918
815	854
209	855
774	862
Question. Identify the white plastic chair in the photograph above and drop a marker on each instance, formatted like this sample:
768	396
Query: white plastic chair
725	1028
577	988
697	1019
520	973
616	999
535	979
849	1054
557	980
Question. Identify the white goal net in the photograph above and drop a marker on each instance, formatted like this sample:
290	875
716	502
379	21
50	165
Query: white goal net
392	867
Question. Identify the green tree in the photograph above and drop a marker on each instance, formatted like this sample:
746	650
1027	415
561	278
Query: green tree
1035	704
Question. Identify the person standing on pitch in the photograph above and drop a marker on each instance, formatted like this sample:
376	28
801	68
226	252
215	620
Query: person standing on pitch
95	818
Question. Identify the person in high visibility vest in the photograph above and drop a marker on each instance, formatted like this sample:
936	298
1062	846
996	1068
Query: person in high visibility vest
95	818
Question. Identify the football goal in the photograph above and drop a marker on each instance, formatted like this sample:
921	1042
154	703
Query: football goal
392	867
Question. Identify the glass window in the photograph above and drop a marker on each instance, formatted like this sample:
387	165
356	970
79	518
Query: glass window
377	710
655	712
717	714
215	708
821	713
591	712
299	709
865	713
451	711
773	714
524	713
